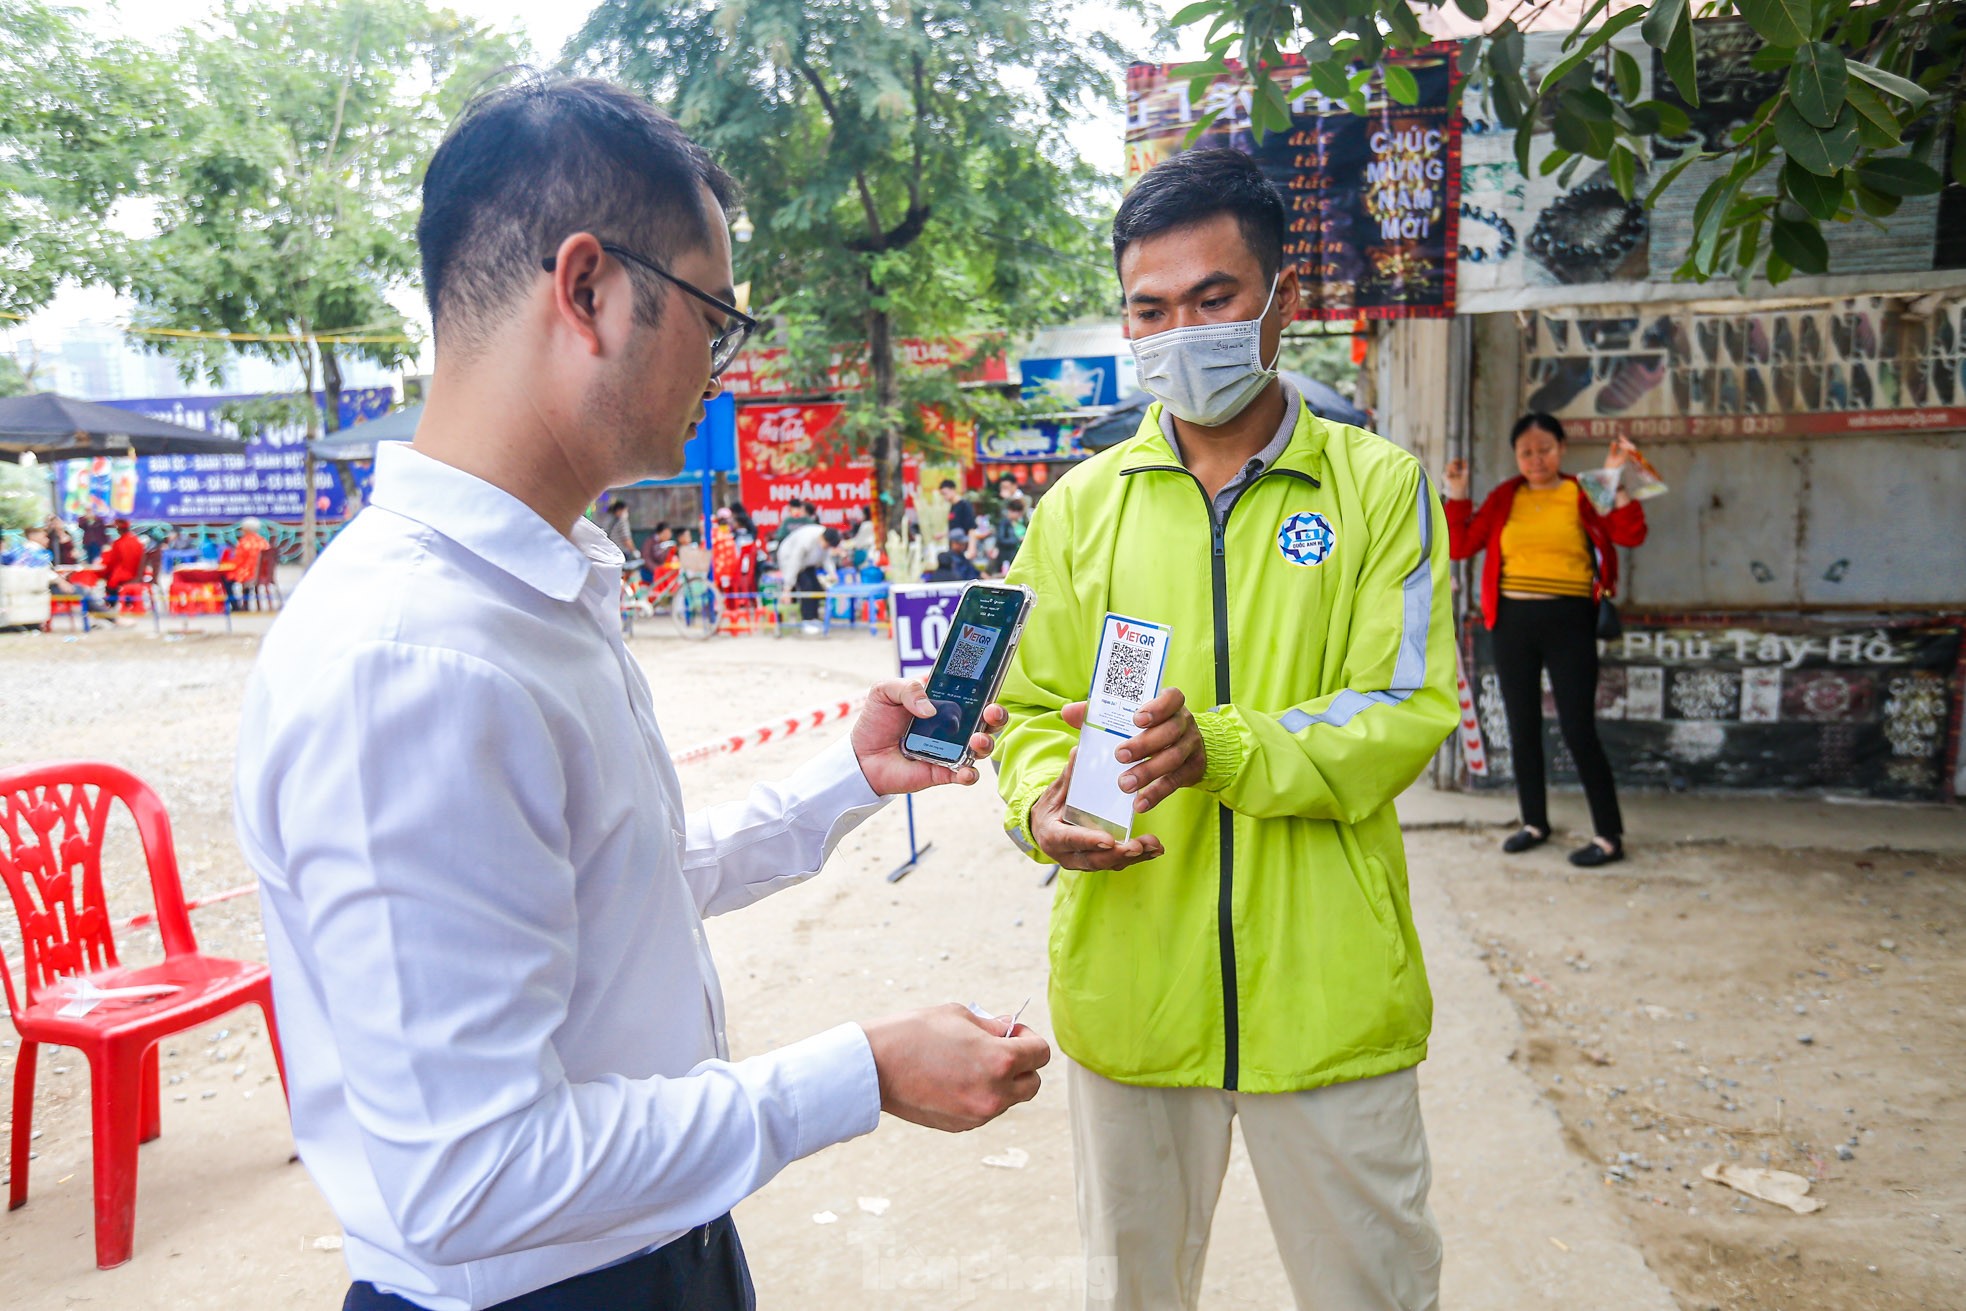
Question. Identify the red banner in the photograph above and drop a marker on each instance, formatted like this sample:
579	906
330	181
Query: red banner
787	453
757	374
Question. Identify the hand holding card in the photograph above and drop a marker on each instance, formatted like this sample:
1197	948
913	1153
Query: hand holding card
1126	676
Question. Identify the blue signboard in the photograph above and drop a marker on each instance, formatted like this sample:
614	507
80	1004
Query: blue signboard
267	480
712	450
1080	382
1039	442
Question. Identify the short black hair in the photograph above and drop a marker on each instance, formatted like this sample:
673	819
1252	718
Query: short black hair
1197	185
832	536
1549	423
618	505
948	485
527	165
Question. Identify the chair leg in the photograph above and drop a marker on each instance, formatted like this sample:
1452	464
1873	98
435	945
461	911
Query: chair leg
153	1124
116	1085
265	1003
23	1132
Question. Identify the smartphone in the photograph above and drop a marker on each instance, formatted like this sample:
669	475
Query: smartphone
969	670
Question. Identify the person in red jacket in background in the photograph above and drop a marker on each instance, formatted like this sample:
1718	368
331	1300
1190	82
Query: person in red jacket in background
122	560
241	561
1551	559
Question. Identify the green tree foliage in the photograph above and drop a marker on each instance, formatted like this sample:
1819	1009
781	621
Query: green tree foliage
287	205
1865	101
903	162
80	121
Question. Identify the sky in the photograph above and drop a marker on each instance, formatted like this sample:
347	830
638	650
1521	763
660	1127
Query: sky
547	24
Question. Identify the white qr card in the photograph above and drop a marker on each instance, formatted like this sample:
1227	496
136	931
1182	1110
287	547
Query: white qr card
1126	675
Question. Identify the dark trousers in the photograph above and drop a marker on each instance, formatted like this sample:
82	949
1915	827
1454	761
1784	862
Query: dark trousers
704	1270
809	582
1561	636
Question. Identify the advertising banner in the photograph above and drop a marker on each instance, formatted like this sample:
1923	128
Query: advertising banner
760	373
1041	442
1866	364
922	615
267	481
1850	708
1374	202
787	453
1553	237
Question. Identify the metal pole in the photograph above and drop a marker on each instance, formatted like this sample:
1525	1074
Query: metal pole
915	853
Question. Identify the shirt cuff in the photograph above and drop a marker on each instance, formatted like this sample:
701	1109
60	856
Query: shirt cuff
835	1087
1221	740
832	793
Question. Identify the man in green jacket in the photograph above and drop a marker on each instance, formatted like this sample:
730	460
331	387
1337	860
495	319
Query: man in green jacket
1250	951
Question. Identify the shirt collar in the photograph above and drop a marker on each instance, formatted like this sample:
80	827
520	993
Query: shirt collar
1264	458
489	522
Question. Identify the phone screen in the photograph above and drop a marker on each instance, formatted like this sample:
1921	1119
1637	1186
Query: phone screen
978	644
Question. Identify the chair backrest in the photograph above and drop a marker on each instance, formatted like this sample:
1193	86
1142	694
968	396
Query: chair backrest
53	818
269	566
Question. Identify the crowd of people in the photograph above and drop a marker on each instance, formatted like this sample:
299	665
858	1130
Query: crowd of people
108	566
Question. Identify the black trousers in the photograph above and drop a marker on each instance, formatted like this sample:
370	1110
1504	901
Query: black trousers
810	588
704	1270
1559	635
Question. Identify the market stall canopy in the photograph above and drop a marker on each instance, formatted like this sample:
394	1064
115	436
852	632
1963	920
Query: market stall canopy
359	442
1124	419
51	428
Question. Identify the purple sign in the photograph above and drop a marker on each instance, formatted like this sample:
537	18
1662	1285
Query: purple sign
922	615
268	480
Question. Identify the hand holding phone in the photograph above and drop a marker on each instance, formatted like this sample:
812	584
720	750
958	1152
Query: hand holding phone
969	671
893	708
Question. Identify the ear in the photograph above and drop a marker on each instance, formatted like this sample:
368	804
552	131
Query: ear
578	266
1289	292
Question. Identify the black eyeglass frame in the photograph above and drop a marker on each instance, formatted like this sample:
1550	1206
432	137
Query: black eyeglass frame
725	345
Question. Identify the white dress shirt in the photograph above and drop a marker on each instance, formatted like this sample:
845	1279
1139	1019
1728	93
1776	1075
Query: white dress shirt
503	1031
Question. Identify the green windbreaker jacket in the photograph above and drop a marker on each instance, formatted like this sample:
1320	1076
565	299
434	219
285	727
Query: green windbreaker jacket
1272	948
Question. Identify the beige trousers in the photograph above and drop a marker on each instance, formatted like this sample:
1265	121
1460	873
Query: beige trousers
1343	1171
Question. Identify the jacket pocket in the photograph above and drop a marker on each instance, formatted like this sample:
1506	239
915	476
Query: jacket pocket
1378	888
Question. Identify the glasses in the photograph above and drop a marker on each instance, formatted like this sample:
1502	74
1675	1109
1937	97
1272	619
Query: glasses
738	325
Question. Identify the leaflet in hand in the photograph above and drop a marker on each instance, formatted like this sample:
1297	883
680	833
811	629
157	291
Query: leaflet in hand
1126	675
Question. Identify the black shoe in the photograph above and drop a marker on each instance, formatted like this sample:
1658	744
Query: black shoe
1594	854
1523	839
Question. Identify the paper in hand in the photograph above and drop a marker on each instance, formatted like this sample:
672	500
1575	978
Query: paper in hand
1125	676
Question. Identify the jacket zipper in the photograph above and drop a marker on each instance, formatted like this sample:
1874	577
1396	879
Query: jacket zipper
1225	896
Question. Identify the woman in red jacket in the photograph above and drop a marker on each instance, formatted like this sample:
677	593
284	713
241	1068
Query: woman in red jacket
1551	559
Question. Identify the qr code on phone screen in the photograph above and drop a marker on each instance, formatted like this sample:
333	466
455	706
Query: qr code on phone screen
969	651
1126	672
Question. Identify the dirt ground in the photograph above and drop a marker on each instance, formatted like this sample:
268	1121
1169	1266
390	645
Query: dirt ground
1793	1009
1599	1038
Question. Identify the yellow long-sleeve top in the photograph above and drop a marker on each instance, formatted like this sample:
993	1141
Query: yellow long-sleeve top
1544	548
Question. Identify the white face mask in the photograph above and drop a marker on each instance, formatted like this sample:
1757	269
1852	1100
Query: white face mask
1207	374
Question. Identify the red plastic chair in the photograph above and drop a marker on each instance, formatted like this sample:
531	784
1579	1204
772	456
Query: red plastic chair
52	822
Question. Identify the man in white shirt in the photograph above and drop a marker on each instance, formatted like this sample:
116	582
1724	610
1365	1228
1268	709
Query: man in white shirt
801	556
503	1033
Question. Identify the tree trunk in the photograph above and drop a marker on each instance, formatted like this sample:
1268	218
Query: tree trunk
306	354
890	489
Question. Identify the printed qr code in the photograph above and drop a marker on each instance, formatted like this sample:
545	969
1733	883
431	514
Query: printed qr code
1126	671
969	651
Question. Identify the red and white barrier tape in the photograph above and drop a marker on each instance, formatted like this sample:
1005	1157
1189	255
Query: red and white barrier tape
755	737
1470	726
149	918
772	730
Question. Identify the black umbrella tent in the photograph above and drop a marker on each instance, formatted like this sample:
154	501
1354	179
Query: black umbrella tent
51	428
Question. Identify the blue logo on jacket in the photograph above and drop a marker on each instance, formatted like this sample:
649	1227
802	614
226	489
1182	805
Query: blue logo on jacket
1306	539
